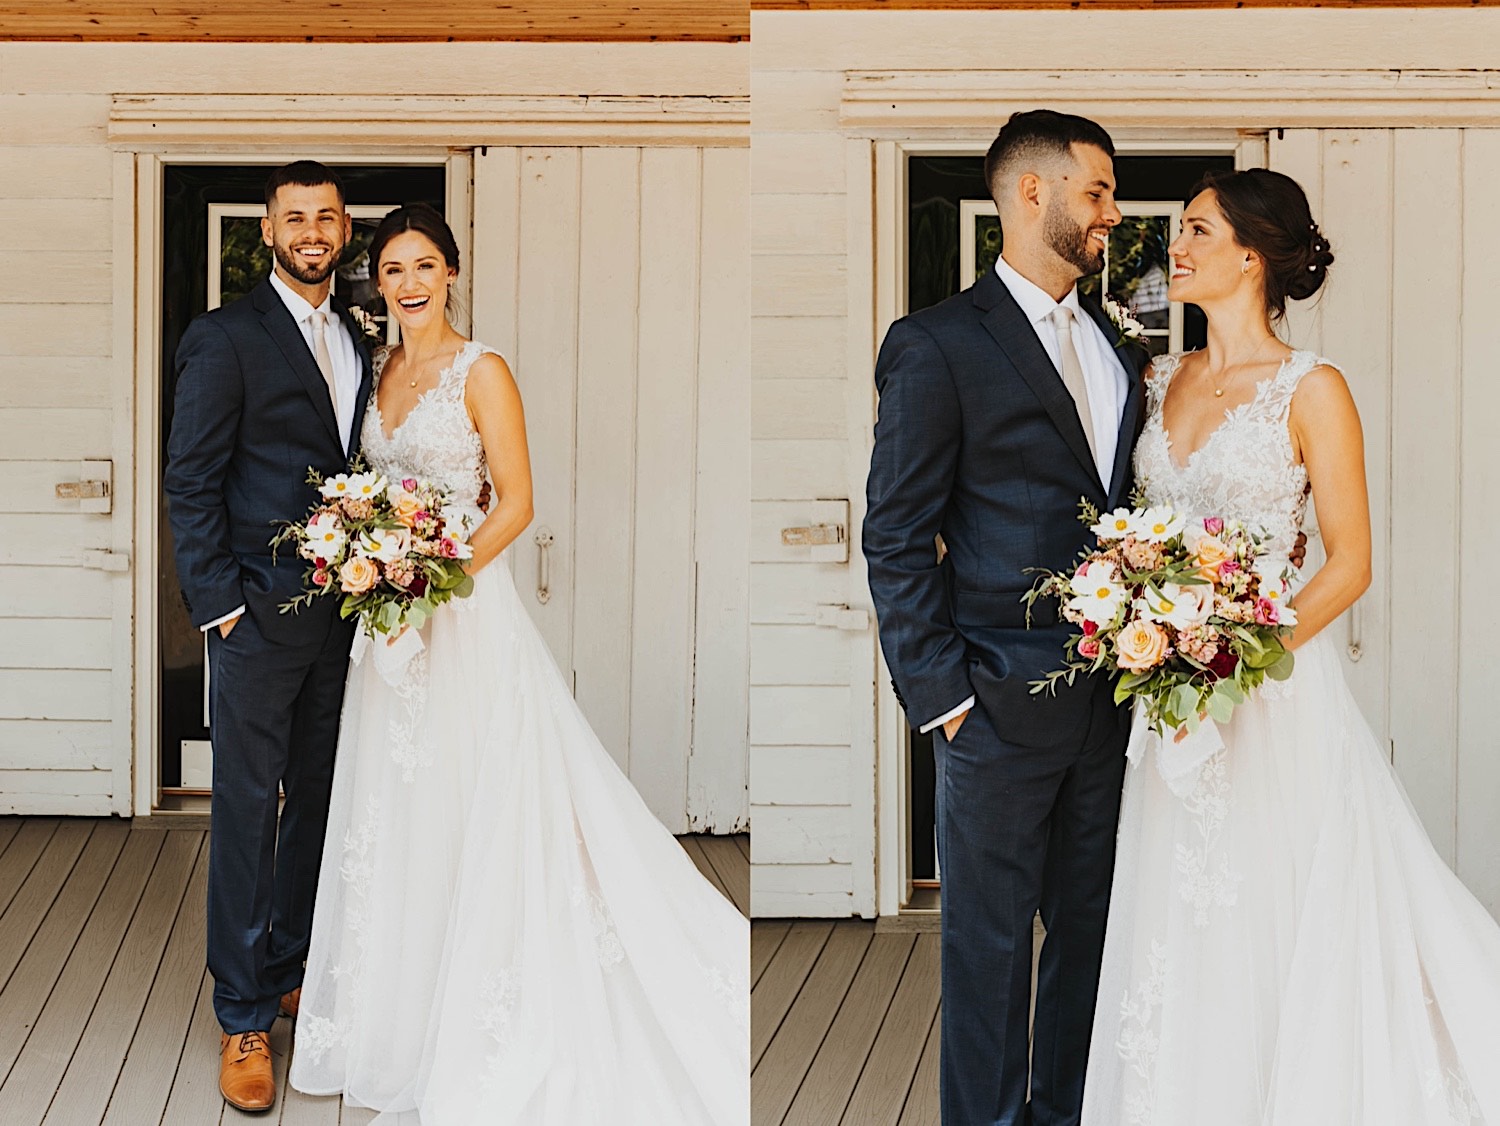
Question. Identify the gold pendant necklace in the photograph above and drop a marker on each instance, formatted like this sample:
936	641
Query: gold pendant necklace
1219	391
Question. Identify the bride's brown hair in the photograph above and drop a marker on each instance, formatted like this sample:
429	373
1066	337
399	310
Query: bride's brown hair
426	221
1270	215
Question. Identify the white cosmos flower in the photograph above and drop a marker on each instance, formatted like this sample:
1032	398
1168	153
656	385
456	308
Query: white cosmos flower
366	486
335	487
1181	607
385	544
455	523
1118	524
1097	593
1158	525
325	536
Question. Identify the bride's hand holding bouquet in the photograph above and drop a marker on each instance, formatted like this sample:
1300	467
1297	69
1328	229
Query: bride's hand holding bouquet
1191	616
393	551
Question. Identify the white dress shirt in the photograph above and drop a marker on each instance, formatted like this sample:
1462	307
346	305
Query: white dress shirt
341	349
346	369
1104	379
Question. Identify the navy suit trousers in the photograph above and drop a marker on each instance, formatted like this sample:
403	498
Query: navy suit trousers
274	712
1022	830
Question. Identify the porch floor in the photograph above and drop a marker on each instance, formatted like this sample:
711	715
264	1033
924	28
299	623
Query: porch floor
844	1024
105	1004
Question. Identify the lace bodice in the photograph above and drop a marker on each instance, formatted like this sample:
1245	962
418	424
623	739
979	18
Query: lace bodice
1246	470
436	442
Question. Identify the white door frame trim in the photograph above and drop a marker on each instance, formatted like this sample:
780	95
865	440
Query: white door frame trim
147	122
899	104
887	262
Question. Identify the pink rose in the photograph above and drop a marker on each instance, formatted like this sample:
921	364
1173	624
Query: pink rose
1213	525
447	548
1088	648
409	484
320	577
1266	613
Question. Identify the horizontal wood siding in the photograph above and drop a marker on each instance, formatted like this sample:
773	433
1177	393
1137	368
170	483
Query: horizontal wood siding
62	731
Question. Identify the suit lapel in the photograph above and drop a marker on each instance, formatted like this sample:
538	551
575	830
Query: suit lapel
362	350
1131	355
1003	320
278	323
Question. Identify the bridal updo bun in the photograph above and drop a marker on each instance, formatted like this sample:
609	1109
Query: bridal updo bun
1270	215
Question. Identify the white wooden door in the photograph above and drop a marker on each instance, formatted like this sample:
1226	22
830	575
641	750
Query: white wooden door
1409	315
613	280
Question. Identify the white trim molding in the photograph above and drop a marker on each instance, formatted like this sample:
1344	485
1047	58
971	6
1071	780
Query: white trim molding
897	103
152	122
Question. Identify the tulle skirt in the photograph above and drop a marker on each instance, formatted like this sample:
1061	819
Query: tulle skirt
504	933
1285	947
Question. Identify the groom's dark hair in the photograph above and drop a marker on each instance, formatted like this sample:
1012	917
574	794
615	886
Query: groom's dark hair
304	174
1039	135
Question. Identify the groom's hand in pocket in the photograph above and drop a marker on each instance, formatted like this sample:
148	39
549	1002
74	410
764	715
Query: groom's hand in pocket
226	628
950	729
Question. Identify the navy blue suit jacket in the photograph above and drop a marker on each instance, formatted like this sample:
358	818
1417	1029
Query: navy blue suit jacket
978	439
252	414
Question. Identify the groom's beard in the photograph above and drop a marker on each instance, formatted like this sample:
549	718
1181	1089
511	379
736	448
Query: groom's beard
1070	242
307	275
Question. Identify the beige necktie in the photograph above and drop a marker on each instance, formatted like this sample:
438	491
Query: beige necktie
325	361
1072	373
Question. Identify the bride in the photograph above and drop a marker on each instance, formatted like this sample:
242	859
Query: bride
504	934
1284	946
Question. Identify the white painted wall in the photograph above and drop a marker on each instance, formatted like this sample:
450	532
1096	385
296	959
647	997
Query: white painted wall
1405	312
74	697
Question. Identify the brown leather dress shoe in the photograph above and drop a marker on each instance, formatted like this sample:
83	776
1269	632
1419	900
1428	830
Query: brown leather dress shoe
290	1002
245	1078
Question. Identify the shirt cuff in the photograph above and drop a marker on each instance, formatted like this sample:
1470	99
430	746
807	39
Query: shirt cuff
942	719
229	617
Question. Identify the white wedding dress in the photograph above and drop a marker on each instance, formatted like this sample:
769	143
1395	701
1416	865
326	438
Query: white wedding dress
1284	947
504	934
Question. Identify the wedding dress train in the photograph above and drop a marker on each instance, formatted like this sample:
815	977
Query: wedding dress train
1284	946
504	934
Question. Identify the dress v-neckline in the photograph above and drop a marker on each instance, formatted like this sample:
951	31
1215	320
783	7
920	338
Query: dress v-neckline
1230	413
422	398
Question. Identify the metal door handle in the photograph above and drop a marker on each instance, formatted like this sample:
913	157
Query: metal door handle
543	540
1355	648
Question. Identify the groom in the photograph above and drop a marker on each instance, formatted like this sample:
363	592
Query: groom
266	387
999	409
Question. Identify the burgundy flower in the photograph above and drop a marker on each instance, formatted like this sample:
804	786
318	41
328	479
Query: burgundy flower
1089	628
418	586
1223	664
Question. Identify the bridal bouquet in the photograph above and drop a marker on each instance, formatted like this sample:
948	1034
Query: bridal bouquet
391	550
1191	615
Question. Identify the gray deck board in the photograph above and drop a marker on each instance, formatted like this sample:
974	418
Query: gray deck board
145	1078
843	1024
106	1009
43	1060
84	1093
786	1061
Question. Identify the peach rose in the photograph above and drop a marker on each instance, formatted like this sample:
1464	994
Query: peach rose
1210	551
358	575
407	510
1141	646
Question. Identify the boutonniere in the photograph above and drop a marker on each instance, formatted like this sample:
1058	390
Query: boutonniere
1127	326
367	324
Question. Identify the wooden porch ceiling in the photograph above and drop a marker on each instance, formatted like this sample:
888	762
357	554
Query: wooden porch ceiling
375	21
